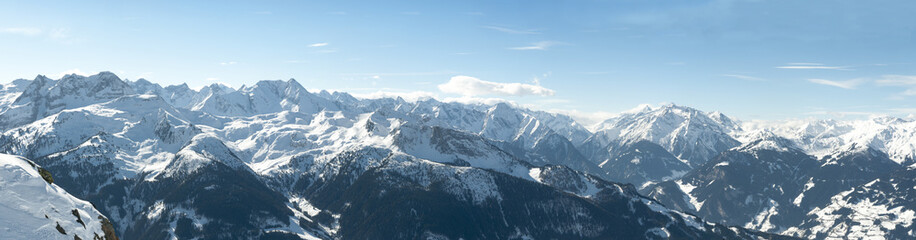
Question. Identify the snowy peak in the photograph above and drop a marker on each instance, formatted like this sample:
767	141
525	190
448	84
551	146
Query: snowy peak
766	140
689	134
142	86
104	85
267	96
203	150
44	97
217	88
457	148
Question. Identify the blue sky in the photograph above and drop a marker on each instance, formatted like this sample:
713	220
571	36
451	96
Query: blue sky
748	59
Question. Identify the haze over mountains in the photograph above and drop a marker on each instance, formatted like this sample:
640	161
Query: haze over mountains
274	160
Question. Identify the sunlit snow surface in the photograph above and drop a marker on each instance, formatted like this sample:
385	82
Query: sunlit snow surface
32	209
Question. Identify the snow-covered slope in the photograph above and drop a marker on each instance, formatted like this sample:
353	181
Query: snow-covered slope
31	207
880	209
10	91
751	185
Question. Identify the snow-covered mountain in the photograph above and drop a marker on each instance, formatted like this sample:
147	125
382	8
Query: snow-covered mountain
752	185
770	184
275	161
894	136
33	207
690	135
44	97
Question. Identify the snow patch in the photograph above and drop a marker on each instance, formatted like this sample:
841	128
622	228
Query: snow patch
687	189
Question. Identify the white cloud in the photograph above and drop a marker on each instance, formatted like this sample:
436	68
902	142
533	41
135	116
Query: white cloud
72	71
542	45
743	77
587	119
227	63
477	100
848	84
322	44
811	66
212	79
409	96
512	31
26	31
470	86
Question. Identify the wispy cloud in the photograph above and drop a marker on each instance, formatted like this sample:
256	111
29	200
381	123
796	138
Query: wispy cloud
743	77
59	33
842	114
479	100
144	75
228	63
212	79
321	44
471	86
25	31
812	66
906	81
896	80
542	45
399	74
848	84
512	31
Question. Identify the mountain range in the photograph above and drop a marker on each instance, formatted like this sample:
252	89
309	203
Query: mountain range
276	161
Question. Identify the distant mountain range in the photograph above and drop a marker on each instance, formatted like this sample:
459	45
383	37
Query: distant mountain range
276	161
